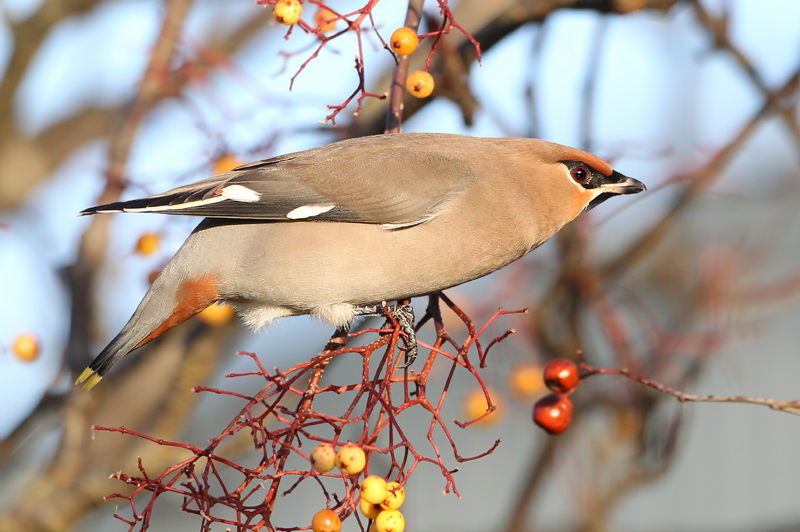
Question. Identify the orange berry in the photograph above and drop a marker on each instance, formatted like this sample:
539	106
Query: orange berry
288	12
553	413
217	314
395	496
369	510
26	347
351	459
561	375
323	457
526	380
148	244
475	406
390	521
373	489
326	521
404	41
325	18
152	276
226	163
420	84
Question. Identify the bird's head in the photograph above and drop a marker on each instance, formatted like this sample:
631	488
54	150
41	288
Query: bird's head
599	181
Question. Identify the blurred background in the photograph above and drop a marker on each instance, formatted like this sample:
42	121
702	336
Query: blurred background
694	284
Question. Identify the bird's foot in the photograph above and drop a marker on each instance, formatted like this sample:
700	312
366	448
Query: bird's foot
404	316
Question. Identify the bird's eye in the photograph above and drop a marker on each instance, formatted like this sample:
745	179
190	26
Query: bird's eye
580	174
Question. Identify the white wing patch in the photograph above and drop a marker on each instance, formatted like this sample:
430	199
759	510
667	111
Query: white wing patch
307	211
239	193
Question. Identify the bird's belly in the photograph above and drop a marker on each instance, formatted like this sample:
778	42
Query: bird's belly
292	268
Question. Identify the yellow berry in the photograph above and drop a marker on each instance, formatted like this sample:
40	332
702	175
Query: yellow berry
217	314
475	406
404	41
373	489
351	459
395	496
526	380
148	244
226	163
26	347
420	84
326	521
390	521
323	458
325	18
369	510
288	12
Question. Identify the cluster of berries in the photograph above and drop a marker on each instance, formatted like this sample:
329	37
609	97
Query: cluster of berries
553	412
403	42
380	500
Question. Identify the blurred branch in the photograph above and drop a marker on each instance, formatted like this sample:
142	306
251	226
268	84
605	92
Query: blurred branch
27	36
718	29
789	406
394	116
517	14
22	161
35	158
75	481
154	85
530	489
698	181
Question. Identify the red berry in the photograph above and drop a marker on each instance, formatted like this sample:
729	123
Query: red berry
553	413
561	375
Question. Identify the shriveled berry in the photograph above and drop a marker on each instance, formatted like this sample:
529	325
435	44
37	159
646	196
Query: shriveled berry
553	413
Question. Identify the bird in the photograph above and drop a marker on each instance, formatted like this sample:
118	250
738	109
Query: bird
338	230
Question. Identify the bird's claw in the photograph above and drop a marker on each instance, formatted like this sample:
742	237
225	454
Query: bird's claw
404	316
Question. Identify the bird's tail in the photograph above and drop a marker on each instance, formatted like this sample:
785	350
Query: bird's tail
169	302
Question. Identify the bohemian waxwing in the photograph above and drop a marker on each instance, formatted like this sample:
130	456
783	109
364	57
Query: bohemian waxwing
334	230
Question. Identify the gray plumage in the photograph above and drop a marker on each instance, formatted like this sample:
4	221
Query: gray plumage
356	222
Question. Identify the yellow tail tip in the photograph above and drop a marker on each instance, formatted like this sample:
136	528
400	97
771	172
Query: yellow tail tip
90	377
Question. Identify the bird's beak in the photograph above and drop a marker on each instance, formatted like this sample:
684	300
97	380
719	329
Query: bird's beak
620	184
616	184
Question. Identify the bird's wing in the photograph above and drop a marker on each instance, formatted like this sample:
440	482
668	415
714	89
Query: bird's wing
379	180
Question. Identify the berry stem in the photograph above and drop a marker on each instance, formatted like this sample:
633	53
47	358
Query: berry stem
394	116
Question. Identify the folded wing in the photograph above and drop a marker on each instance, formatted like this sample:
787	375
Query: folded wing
393	180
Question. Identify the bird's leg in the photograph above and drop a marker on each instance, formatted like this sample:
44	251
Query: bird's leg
404	315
